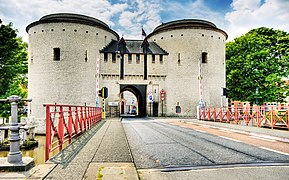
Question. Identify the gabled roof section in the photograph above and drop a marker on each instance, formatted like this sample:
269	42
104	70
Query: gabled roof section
145	43
122	41
111	47
133	47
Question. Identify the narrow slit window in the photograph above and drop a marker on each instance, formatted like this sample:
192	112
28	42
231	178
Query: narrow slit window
179	58
86	56
56	54
105	57
129	59
204	57
161	59
113	58
153	58
137	58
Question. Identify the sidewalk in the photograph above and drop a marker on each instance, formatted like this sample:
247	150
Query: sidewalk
281	135
103	152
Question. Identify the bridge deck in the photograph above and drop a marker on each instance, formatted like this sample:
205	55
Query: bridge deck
91	154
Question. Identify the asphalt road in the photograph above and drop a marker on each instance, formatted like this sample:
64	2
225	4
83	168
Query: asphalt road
156	144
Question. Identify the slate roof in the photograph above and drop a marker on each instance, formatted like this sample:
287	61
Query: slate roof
133	47
72	18
186	24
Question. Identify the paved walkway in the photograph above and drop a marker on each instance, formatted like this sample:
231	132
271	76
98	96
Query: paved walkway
106	155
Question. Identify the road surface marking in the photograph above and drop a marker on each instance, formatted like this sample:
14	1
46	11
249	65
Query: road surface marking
261	138
200	131
275	151
238	131
230	139
226	131
271	137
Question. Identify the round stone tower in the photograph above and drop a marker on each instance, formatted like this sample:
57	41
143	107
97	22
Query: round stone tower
63	53
193	45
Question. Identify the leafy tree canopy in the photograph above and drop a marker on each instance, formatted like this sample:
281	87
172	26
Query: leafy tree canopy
256	66
13	65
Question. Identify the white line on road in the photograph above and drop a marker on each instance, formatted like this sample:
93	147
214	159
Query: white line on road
226	131
200	131
204	125
238	131
230	139
261	138
274	151
286	140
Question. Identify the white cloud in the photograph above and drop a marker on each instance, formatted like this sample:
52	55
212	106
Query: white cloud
141	13
22	13
245	5
128	16
272	14
125	17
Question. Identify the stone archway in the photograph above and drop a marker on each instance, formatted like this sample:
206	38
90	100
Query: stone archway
140	92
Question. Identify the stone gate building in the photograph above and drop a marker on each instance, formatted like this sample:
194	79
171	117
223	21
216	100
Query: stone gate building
71	56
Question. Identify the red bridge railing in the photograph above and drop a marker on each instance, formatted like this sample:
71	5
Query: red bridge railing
65	122
260	116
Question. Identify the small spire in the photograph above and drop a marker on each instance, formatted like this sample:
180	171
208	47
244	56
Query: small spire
122	41
143	33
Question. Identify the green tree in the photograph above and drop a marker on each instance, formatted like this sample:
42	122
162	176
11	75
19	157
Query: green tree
13	65
256	66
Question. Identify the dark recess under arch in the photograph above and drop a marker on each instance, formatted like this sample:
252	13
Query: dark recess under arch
140	92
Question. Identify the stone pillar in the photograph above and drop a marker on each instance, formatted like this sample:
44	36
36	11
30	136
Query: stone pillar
14	160
15	155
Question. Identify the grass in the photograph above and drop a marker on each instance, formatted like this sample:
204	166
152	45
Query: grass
99	175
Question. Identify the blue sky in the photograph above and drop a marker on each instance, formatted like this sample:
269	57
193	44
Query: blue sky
236	17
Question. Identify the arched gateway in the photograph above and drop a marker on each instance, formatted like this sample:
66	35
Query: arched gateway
140	93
